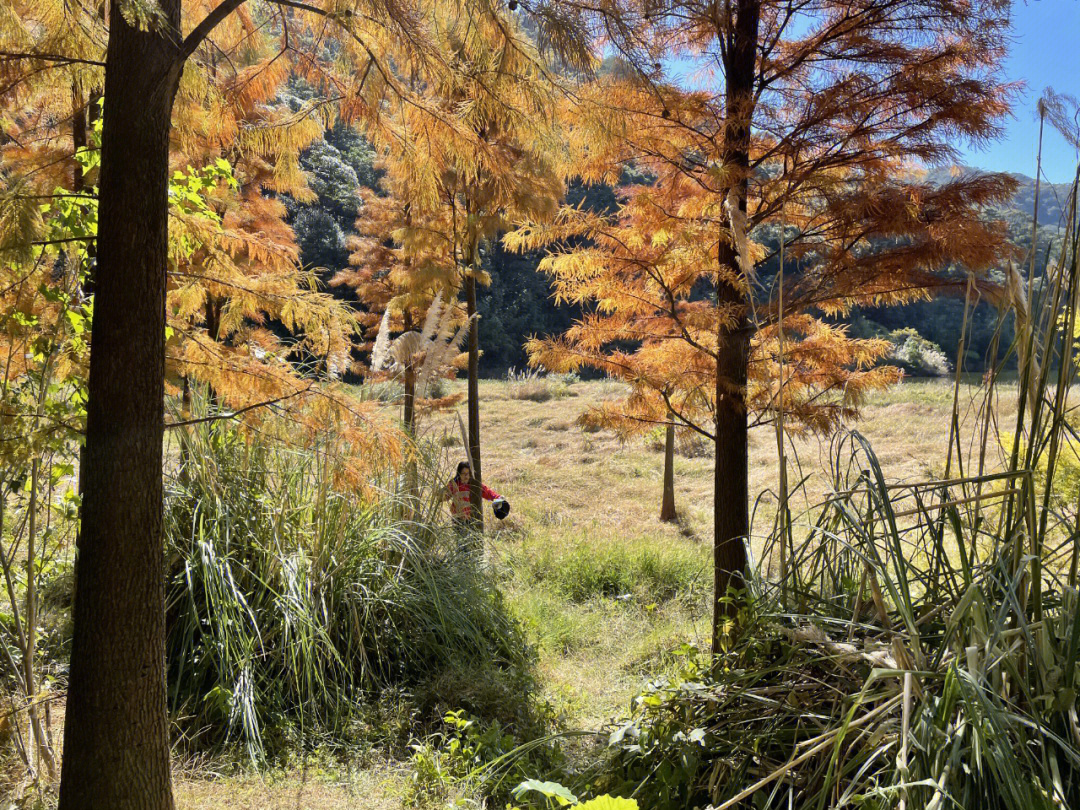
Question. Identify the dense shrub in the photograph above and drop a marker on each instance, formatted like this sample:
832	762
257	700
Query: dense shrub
917	355
927	623
293	602
823	720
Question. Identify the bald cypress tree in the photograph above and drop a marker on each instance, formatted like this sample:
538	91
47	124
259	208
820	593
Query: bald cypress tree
809	116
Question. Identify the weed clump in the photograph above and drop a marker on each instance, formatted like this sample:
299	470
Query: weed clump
901	654
916	355
293	603
537	386
644	571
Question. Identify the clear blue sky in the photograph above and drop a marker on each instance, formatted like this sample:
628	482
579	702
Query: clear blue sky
1045	51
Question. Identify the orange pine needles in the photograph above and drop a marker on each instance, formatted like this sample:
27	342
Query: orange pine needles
823	145
643	277
801	126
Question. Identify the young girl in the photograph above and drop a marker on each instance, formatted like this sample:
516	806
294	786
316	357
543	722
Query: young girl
458	493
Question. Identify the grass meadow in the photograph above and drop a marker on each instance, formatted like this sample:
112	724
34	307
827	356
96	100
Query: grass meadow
606	592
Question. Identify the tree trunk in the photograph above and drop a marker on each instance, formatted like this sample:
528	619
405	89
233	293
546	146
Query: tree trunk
667	506
184	471
731	500
731	497
410	400
412	488
212	314
475	500
213	317
116	743
38	735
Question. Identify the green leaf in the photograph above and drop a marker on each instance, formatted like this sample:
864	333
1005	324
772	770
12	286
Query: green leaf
77	321
550	790
62	470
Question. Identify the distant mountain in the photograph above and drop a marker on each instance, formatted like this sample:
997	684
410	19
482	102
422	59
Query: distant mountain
1053	197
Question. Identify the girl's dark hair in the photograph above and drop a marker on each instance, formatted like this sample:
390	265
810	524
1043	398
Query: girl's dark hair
463	465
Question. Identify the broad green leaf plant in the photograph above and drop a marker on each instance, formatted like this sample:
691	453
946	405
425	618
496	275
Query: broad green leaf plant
553	795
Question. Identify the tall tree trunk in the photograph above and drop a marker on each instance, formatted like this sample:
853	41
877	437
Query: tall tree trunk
475	500
731	500
667	506
731	497
116	743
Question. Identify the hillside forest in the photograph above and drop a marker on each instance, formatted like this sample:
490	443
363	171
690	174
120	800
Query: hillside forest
445	403
521	305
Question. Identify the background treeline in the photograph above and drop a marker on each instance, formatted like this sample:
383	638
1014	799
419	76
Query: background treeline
519	303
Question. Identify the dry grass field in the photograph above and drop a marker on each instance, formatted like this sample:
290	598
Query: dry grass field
606	591
585	516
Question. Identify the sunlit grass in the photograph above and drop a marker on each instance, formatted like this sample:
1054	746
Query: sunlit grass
606	593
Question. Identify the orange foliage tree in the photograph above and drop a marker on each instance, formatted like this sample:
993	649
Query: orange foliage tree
238	270
495	168
805	119
402	271
233	263
639	274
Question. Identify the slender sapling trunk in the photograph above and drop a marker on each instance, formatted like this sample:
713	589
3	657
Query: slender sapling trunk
475	499
667	506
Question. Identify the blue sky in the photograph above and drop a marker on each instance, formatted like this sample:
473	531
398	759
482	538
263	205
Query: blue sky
1046	51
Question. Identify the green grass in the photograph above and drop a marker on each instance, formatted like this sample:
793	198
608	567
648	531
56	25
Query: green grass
636	569
584	529
605	594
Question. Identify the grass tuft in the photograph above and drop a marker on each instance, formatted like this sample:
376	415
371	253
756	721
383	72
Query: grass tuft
641	571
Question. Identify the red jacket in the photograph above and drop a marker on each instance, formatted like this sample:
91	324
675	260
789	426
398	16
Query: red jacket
459	498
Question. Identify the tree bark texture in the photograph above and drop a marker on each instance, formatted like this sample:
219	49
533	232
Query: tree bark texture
731	497
667	506
475	500
116	744
731	507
